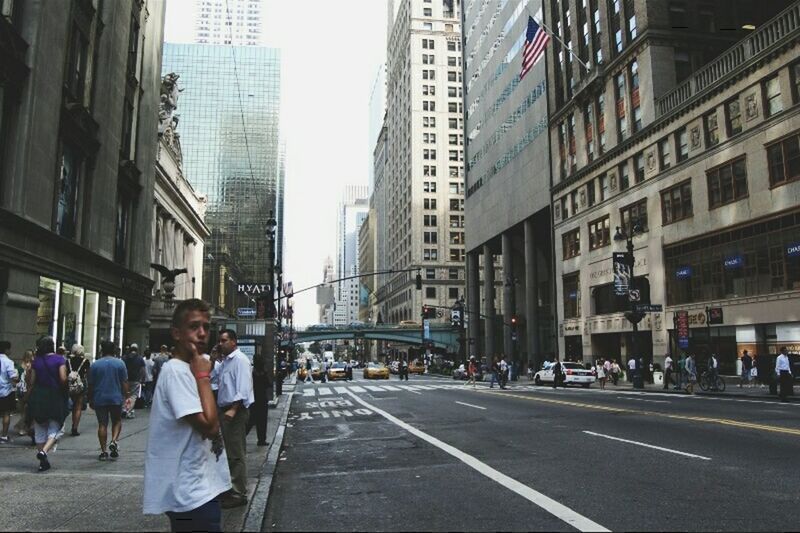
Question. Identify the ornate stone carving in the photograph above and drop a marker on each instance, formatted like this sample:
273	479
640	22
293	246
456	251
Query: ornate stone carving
167	118
651	160
583	197
750	106
558	212
695	135
612	181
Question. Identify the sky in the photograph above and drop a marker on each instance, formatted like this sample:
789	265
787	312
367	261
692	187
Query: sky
331	53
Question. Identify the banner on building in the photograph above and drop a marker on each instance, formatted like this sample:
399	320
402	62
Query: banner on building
682	328
622	273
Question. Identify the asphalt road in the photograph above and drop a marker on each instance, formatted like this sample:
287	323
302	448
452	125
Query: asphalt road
442	456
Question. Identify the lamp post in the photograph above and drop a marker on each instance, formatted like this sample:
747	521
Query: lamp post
633	316
262	369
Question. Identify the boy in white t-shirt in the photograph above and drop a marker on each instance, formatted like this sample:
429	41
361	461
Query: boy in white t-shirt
186	468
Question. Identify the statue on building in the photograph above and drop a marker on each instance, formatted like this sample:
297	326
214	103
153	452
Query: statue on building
167	118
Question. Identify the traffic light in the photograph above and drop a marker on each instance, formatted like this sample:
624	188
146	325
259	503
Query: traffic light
514	324
419	281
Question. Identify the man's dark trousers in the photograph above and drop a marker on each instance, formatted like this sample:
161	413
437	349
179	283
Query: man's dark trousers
258	411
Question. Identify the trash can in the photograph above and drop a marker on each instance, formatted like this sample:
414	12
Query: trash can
658	378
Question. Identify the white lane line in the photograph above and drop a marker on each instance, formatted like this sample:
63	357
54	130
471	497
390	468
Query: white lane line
308	392
390	387
559	510
374	388
676	452
324	391
423	387
409	388
356	388
470	405
341	390
643	400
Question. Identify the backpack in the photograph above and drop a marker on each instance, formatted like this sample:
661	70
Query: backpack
76	386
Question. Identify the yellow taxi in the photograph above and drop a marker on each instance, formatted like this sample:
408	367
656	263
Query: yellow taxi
376	371
316	372
338	370
416	367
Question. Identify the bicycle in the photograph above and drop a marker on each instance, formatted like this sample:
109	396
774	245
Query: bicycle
707	383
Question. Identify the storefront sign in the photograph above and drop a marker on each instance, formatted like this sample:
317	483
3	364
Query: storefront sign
246	312
793	250
733	262
622	273
684	272
715	315
253	288
682	328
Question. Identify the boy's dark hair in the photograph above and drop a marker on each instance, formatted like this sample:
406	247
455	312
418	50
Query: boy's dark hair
45	345
108	348
4	346
186	307
231	334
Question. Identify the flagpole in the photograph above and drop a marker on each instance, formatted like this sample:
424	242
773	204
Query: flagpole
556	37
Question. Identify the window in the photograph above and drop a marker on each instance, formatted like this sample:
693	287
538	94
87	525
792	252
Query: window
453	155
429	203
429	220
452	273
572	295
772	94
451	46
682	139
588	120
573	200
604	193
77	63
633	71
429	170
452	123
123	222
591	196
794	70
571	243
624	179
622	124
456	221
783	159
456	237
599	233
677	15
635	213
727	183
69	181
452	61
683	65
712	128
427	12
733	117
676	203
601	122
457	204
430	254
429	186
452	293
663	153
457	254
430	273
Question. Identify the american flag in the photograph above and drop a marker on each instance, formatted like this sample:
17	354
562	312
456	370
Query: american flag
536	40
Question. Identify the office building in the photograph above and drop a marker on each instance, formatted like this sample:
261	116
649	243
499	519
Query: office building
229	123
682	136
233	22
351	215
508	218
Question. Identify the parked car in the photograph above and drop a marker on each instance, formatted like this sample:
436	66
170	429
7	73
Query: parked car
574	374
376	371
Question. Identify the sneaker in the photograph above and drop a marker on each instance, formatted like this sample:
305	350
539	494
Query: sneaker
103	456
3	440
44	465
114	449
74	432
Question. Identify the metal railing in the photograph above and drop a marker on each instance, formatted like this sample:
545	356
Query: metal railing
760	42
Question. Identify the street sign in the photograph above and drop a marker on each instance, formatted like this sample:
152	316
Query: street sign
648	308
246	312
426	329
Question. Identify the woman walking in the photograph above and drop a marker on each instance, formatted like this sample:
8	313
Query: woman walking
691	373
78	368
471	371
601	374
23	425
47	398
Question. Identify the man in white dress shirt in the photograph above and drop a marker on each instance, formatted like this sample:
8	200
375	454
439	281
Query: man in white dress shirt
784	370
234	396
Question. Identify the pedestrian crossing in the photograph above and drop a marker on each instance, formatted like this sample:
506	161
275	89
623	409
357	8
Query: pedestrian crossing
318	390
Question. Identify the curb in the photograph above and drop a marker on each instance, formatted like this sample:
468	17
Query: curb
254	521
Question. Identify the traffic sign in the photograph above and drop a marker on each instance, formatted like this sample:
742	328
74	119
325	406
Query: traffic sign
648	308
246	312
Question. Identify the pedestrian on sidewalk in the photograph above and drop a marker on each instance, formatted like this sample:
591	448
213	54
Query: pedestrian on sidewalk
503	372
134	364
9	377
682	379
161	357
149	380
615	371
23	425
78	370
631	369
47	399
691	373
235	396
713	370
783	369
186	468
494	371
107	390
667	371
747	369
601	373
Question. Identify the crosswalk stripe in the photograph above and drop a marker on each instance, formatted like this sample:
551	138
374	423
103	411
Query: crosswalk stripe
405	387
390	387
324	391
308	392
341	390
374	388
356	388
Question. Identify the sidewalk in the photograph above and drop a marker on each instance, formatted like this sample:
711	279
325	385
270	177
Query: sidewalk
81	493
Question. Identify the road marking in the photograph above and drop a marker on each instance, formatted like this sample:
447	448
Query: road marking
374	388
324	391
470	405
720	421
559	510
409	389
308	392
356	388
390	387
642	400
676	452
92	475
341	390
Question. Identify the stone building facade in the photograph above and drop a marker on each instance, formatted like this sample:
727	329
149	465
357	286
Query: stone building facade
692	155
80	92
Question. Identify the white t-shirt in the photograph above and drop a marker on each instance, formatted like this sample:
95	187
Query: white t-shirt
148	369
181	472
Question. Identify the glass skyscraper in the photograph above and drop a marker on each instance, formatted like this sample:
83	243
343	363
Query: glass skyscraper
230	137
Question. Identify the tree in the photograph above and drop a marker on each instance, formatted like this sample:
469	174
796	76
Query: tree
315	348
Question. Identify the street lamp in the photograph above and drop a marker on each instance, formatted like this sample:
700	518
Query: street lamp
633	315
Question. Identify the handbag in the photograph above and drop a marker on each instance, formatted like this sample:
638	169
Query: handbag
754	372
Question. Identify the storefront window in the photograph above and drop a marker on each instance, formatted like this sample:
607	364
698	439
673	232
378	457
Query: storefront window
119	322
572	296
105	326
70	316
90	317
753	260
46	322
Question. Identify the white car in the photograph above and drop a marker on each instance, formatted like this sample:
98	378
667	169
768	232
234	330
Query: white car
574	374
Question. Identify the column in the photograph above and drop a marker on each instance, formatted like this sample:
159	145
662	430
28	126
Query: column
531	296
508	297
473	303
488	302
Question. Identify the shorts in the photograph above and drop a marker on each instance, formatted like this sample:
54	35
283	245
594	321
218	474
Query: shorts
8	404
49	430
103	412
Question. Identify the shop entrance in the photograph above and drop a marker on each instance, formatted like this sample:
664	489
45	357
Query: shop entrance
607	346
573	348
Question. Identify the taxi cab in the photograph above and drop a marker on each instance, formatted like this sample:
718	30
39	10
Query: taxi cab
316	372
416	367
376	371
338	370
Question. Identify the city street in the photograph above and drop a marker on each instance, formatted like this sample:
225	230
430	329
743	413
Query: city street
433	454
